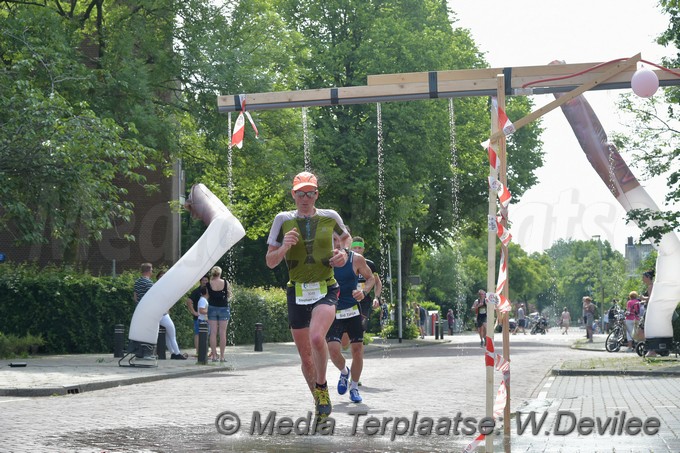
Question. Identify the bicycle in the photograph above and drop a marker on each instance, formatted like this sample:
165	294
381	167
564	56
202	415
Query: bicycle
617	336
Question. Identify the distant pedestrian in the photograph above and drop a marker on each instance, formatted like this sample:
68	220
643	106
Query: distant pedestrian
450	320
479	308
589	314
422	319
385	314
565	321
632	317
521	320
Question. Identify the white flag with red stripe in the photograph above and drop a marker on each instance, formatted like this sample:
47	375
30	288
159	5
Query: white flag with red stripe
474	444
501	399
503	234
504	122
240	125
504	304
502	273
494	159
504	194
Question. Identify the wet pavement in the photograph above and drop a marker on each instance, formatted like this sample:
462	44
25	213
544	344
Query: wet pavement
412	391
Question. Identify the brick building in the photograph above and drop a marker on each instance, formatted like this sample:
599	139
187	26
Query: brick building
154	224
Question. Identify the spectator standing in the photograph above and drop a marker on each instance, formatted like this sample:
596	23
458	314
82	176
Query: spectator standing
632	317
170	332
450	320
589	313
192	306
565	321
422	319
202	306
521	320
219	311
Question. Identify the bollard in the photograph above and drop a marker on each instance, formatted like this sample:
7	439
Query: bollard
118	340
160	344
441	329
259	336
203	343
436	330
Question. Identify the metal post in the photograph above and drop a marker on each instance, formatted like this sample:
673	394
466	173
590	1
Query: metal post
599	254
118	340
203	343
160	343
401	311
259	336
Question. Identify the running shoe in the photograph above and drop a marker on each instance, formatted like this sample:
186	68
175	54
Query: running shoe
342	382
354	396
323	402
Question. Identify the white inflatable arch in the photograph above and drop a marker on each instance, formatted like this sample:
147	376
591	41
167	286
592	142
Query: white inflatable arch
631	195
224	230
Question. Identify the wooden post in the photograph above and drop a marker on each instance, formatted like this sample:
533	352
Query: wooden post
491	287
503	178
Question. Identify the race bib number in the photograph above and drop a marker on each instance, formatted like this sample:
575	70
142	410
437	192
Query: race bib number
308	293
482	310
347	312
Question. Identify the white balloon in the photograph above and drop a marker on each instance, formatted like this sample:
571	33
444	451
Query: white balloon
644	82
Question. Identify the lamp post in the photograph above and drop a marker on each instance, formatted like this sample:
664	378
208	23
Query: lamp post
599	254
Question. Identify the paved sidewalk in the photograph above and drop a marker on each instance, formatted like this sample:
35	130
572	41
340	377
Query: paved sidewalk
73	374
130	419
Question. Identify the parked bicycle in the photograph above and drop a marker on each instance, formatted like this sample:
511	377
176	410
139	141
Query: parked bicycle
617	336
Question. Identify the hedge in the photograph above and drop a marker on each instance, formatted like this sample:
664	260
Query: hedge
75	312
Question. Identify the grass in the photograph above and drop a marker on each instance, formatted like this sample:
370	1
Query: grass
618	363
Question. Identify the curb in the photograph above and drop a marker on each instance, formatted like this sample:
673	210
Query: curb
88	387
560	372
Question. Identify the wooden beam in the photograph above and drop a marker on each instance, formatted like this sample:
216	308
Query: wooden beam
595	80
444	84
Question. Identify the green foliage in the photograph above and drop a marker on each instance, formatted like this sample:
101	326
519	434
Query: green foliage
56	138
256	305
391	330
654	137
14	346
76	313
73	312
579	273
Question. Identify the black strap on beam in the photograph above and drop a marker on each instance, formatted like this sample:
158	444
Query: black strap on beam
237	103
507	73
432	80
334	96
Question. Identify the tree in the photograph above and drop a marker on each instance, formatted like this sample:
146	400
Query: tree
654	142
60	162
350	40
577	267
